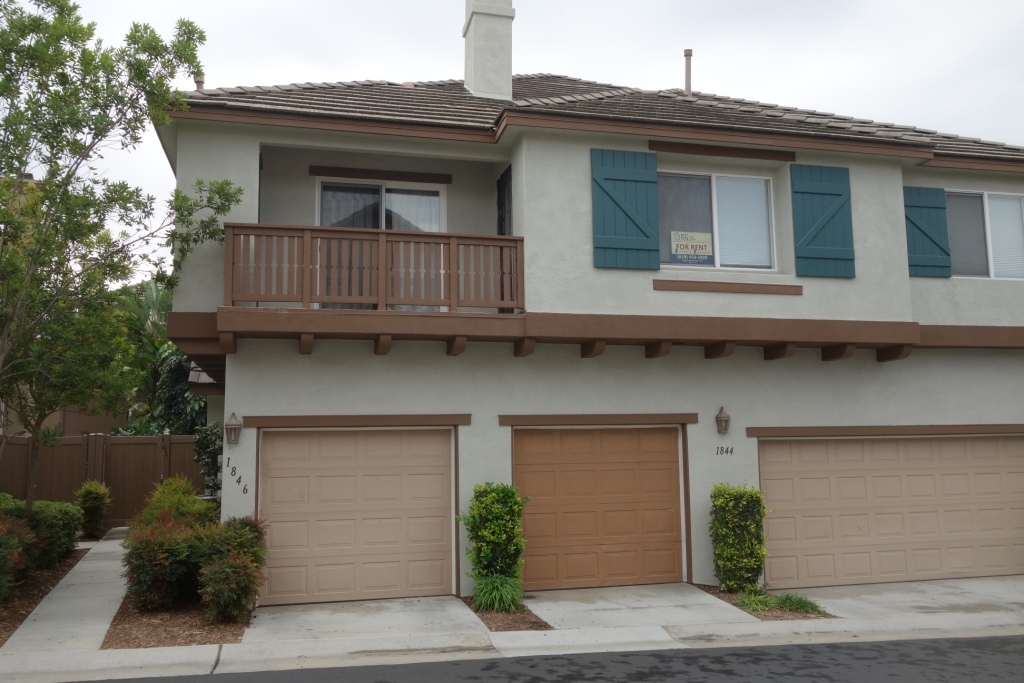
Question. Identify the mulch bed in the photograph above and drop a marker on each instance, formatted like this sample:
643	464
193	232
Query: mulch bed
31	591
523	620
186	625
770	615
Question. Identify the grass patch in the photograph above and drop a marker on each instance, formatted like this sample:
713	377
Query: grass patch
787	602
752	602
798	603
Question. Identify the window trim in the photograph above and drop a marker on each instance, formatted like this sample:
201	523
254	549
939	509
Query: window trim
384	186
717	267
990	257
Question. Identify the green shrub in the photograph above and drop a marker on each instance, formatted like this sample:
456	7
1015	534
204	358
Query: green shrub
737	536
160	562
177	496
15	539
165	559
94	499
209	445
54	524
497	593
494	524
798	603
6	502
230	585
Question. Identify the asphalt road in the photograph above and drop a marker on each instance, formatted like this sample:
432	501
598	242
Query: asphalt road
977	660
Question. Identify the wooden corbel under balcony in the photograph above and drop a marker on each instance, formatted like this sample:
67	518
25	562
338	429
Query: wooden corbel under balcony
837	352
778	351
657	349
719	350
592	348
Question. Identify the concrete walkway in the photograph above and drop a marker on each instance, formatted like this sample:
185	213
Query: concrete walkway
437	629
76	614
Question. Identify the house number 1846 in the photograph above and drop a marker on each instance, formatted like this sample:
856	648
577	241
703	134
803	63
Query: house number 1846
233	471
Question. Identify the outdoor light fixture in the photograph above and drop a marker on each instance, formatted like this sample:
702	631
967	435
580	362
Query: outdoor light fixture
233	428
722	420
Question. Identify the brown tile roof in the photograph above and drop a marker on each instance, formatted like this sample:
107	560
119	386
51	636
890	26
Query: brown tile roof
449	104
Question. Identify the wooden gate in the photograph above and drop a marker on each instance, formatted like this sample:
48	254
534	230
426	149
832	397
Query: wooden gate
130	465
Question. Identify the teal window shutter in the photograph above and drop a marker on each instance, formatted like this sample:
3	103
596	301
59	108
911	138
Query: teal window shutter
822	221
625	198
927	235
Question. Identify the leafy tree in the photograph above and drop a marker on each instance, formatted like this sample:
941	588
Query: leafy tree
76	357
147	305
64	98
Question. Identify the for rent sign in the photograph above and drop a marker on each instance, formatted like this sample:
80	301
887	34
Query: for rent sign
694	248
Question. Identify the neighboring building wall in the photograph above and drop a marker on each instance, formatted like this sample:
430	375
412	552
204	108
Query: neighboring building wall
344	378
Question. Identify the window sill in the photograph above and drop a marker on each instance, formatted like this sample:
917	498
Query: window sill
726	287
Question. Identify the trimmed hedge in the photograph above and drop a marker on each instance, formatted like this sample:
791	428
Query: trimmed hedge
54	524
94	499
177	496
16	539
175	554
737	536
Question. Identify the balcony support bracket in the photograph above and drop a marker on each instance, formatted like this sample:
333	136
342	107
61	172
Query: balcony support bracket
382	345
456	345
227	342
524	347
837	352
890	353
719	350
657	349
592	348
305	344
778	351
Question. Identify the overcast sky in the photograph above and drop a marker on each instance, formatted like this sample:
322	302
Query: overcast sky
953	66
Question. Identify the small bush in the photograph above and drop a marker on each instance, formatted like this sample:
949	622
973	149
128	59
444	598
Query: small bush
497	593
495	528
798	603
15	539
94	499
54	524
229	586
177	496
737	536
160	563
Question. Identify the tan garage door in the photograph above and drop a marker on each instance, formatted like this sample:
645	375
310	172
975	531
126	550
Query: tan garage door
356	514
603	509
849	511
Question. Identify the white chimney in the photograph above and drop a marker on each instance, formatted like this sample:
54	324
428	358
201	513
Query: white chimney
488	35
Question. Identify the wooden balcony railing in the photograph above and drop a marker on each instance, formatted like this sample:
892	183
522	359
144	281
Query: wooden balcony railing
329	267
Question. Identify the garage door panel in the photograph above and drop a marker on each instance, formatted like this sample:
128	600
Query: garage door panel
945	508
592	522
356	514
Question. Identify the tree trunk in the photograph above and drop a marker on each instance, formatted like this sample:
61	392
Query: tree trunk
33	473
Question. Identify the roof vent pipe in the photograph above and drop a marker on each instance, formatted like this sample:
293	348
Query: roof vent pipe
688	54
200	81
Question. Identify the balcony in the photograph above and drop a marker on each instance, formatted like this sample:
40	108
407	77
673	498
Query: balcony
278	266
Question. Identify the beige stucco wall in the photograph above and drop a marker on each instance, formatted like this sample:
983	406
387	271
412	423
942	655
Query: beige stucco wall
289	194
338	378
966	300
557	224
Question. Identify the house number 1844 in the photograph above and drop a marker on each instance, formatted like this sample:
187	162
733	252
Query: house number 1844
723	450
233	471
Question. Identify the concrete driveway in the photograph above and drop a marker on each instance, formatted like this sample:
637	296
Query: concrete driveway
997	596
666	604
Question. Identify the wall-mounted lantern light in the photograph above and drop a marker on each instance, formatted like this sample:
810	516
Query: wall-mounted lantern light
722	420
233	428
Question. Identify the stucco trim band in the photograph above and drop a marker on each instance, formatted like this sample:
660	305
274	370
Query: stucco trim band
883	430
596	420
312	421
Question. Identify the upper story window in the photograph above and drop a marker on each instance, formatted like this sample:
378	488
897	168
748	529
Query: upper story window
715	221
986	234
414	207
